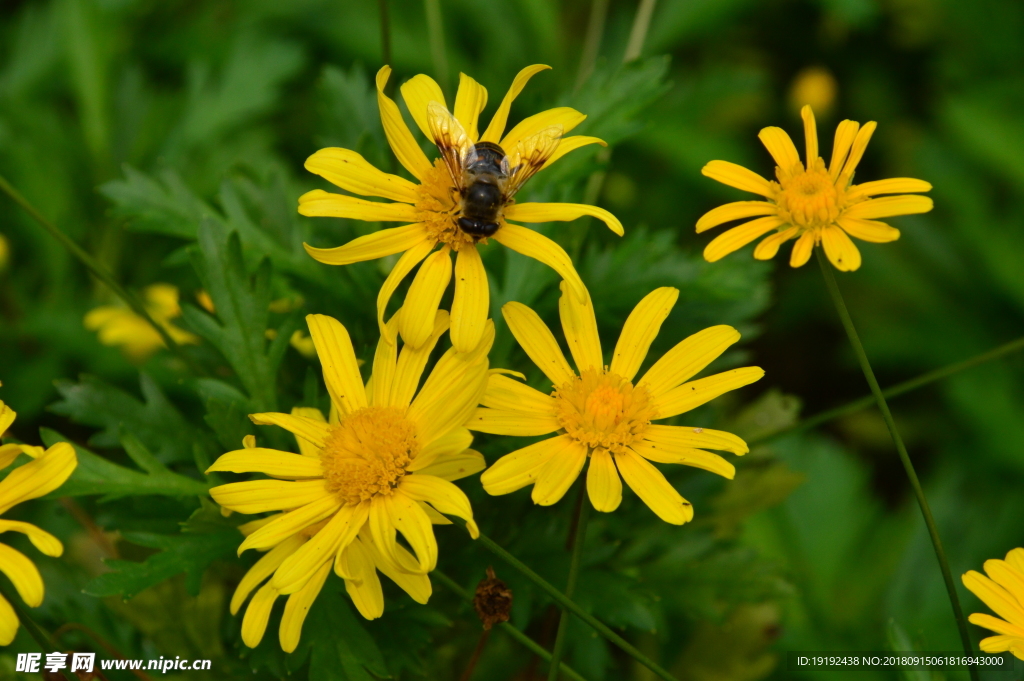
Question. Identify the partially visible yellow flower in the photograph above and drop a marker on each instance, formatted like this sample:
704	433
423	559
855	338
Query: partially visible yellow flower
431	207
603	413
119	326
303	344
813	204
5	252
814	86
1003	592
48	471
382	464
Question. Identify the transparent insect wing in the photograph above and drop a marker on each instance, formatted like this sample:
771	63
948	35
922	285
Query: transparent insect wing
529	156
457	150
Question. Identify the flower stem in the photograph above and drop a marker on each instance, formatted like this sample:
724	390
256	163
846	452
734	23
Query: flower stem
915	483
42	640
898	389
592	41
519	636
571	606
385	32
570	585
435	36
98	271
638	34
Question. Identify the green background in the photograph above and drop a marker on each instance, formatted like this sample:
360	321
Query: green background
130	124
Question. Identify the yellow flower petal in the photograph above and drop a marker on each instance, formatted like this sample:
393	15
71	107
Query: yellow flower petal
440	408
509	394
341	370
297	607
7	416
841	252
258	496
472	300
496	128
416	322
653	489
563	116
640	330
508	422
318	203
557	476
995	597
411	362
23	575
418	92
270	462
669	452
263	568
321	549
572	143
999	644
802	250
846	132
442	495
362	583
734	211
995	624
738	237
399	136
810	134
1015	557
470	100
579	324
695	393
537	246
521	468
38	477
385	363
311	430
254	623
737	176
769	246
450	443
405	264
41	539
688	357
1007	577
8	453
860	144
869	230
779	144
372	246
702	438
287	524
8	622
353	173
889	206
537	340
546	212
409	519
894	185
604	486
416	585
456	466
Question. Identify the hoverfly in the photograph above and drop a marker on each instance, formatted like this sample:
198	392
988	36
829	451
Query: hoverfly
485	178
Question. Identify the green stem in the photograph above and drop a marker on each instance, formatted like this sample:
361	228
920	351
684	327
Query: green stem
536	648
570	585
435	36
97	270
592	40
569	605
42	640
908	466
898	389
385	32
638	34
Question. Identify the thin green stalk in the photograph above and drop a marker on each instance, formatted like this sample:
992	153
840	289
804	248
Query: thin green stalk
435	36
592	41
570	585
42	640
898	389
97	270
915	483
385	31
536	648
638	34
569	605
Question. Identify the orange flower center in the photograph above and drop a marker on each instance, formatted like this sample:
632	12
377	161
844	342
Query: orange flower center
603	410
438	205
366	455
808	198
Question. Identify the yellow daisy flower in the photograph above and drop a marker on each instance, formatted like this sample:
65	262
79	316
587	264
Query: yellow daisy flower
432	206
48	471
384	463
119	326
812	204
1003	592
602	413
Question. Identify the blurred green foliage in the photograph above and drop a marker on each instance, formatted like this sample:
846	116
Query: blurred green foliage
168	139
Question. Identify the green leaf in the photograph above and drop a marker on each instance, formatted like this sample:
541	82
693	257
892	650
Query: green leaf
164	206
154	420
97	475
